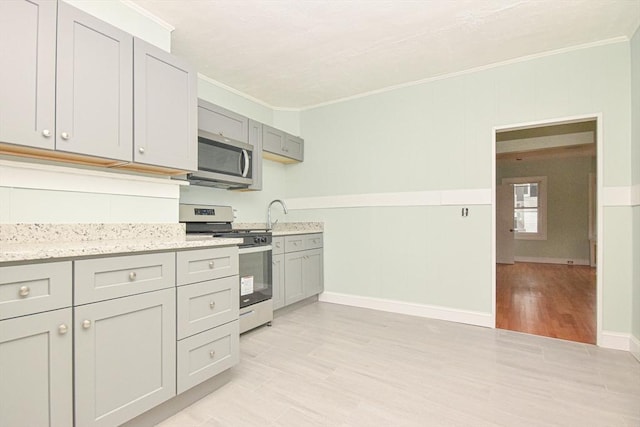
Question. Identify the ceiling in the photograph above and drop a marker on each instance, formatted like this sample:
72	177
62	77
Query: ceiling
301	53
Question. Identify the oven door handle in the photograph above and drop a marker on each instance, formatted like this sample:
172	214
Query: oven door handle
254	249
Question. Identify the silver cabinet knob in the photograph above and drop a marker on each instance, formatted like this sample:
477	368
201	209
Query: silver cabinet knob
132	276
24	291
46	133
86	324
141	150
65	135
211	264
62	329
212	354
212	305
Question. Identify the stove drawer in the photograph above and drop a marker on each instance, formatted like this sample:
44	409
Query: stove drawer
32	288
206	264
206	354
205	305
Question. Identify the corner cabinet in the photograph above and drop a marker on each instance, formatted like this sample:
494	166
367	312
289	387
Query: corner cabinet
281	146
61	100
298	271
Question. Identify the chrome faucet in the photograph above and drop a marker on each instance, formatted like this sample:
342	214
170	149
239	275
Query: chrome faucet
284	207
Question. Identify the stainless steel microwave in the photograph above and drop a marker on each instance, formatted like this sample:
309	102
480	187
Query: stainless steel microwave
222	162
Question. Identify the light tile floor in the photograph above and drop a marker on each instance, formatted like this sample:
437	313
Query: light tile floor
331	365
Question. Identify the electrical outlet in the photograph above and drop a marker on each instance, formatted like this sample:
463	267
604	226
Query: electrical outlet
570	262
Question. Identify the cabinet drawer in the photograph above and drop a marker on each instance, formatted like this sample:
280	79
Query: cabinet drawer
301	242
313	241
32	288
206	264
205	305
278	245
205	355
106	278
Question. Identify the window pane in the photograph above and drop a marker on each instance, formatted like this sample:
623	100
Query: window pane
526	195
525	220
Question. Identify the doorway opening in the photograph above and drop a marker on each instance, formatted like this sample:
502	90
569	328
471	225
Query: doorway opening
546	217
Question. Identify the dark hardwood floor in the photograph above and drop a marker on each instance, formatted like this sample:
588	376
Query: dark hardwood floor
552	300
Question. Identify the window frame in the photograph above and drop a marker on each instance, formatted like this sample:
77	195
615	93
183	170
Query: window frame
542	205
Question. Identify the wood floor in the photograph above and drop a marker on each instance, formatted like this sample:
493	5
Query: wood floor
552	300
331	365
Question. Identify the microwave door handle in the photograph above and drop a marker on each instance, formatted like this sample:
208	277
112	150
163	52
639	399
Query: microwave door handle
245	157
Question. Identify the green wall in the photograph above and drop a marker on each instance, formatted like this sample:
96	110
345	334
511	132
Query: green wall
438	136
635	155
567	206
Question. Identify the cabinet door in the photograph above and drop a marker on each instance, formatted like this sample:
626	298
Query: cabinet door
312	275
272	140
293	147
125	357
27	74
36	370
220	121
94	114
293	274
165	103
255	139
278	281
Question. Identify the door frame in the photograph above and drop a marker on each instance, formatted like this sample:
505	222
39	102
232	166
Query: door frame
599	179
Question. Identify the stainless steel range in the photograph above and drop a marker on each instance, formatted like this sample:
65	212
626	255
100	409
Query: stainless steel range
256	285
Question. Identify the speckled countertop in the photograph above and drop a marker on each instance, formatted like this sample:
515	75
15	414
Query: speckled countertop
285	228
30	242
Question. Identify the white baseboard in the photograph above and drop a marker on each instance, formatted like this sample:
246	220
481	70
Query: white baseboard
422	310
620	341
547	260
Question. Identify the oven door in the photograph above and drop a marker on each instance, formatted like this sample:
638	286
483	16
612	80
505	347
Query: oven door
255	275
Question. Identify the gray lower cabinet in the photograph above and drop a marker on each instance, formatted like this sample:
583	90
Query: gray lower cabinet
36	370
208	301
94	110
165	109
278	281
27	75
125	357
297	268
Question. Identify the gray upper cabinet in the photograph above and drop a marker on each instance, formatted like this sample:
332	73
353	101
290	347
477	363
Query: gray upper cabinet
255	139
125	357
220	122
94	114
36	370
165	109
27	74
281	146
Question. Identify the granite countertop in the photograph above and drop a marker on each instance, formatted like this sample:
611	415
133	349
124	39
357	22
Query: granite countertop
285	228
30	242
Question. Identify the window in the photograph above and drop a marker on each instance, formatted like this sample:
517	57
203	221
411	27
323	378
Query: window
529	207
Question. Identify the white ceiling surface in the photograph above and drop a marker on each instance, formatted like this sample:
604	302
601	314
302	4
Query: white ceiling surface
301	53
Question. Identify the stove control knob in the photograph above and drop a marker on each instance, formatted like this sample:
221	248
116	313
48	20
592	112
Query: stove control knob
263	240
256	240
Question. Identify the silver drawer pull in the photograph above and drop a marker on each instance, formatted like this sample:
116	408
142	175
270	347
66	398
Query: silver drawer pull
62	329
86	324
132	276
212	304
24	291
211	264
212	354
